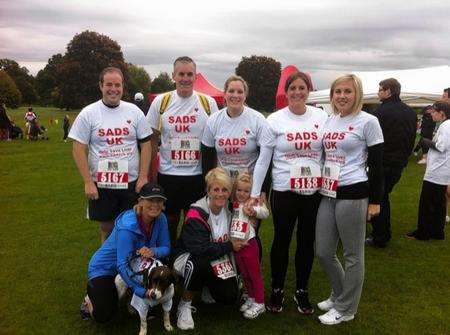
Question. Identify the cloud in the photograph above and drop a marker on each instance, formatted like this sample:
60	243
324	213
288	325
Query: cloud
323	38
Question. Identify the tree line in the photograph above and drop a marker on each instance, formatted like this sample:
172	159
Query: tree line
70	81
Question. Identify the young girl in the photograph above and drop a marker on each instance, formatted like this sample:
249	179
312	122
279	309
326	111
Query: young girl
242	227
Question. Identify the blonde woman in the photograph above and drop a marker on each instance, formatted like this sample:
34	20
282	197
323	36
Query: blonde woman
203	253
352	141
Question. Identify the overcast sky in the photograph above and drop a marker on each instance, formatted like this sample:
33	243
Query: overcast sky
322	37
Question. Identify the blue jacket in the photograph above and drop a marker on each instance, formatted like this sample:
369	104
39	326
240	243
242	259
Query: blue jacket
125	239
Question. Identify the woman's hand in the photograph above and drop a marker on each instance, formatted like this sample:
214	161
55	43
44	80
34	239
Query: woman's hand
238	244
372	211
146	252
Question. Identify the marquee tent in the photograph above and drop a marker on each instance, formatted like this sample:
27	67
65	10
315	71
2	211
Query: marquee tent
201	85
281	100
419	86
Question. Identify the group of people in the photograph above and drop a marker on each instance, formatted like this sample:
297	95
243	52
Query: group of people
328	176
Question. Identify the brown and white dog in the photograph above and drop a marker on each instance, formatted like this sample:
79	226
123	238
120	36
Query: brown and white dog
159	280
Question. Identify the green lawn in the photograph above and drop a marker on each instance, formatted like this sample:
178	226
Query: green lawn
46	242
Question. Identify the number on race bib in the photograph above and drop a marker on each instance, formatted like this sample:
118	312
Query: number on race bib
112	174
223	268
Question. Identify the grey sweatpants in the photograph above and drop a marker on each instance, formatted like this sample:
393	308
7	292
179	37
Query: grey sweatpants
344	220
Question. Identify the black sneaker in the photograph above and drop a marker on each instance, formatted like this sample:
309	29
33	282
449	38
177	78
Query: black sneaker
275	304
303	304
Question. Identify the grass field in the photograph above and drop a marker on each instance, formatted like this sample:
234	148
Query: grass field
46	242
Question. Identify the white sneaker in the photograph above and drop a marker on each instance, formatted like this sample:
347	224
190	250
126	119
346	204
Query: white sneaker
333	317
184	315
247	304
447	219
207	297
326	305
422	161
254	311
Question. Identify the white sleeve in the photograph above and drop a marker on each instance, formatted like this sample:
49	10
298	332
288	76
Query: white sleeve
442	139
208	136
153	113
262	212
259	173
81	129
143	128
261	130
213	105
372	132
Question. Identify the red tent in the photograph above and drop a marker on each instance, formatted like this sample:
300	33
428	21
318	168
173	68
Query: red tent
201	85
281	100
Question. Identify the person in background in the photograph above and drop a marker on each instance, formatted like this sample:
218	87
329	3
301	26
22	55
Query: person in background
66	127
139	101
5	123
432	204
398	122
426	131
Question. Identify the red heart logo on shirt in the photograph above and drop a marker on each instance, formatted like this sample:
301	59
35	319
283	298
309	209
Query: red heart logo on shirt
196	109
247	131
128	121
316	125
350	128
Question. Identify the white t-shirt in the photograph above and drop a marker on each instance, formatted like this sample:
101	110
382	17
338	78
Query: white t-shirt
295	141
112	135
237	139
181	126
220	226
345	141
438	161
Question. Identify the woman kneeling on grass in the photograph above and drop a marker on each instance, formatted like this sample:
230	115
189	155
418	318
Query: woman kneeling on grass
353	141
204	252
432	204
142	230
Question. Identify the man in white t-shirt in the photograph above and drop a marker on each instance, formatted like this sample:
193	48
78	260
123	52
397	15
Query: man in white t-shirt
178	119
106	136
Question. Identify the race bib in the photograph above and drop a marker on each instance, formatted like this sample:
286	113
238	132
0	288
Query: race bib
306	178
330	177
112	174
223	268
239	229
185	151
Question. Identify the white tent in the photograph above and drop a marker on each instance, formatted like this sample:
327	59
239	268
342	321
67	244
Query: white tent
419	86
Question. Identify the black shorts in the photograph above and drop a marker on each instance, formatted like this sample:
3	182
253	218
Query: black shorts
181	191
111	203
103	294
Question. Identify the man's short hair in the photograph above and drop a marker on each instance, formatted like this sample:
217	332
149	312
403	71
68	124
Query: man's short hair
184	59
110	69
391	84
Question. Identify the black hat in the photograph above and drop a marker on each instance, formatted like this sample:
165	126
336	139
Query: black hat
149	191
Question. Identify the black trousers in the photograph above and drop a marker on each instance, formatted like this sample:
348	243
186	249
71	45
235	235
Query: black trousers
103	294
381	224
198	274
287	209
432	212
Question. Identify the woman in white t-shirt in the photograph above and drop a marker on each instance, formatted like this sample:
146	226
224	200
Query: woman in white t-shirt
233	135
353	144
293	139
432	204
